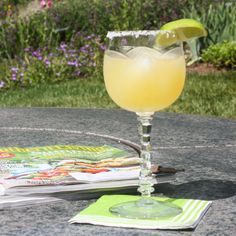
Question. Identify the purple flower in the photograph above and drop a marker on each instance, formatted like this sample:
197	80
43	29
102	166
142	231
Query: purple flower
38	55
63	47
72	51
72	63
2	84
83	49
78	72
103	47
13	77
47	62
92	54
27	49
14	69
88	37
35	53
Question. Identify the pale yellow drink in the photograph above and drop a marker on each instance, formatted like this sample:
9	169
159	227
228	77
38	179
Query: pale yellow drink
144	80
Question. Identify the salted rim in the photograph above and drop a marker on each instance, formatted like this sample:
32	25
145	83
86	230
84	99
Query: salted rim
113	34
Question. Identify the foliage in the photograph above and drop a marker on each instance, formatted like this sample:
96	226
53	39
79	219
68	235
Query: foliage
99	16
79	58
49	27
219	20
16	35
10	7
58	24
31	47
221	54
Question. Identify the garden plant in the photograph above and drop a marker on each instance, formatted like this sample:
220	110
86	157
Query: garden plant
61	46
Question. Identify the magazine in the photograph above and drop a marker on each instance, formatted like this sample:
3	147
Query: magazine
63	165
31	175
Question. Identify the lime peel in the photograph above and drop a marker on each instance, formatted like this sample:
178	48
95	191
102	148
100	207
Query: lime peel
184	30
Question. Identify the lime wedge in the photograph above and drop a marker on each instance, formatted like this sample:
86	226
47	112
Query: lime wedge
183	30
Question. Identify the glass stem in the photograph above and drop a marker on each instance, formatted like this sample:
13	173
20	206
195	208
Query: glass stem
145	177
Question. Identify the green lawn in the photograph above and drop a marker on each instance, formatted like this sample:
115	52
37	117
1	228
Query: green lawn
212	94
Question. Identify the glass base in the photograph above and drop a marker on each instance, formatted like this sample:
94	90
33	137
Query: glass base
145	208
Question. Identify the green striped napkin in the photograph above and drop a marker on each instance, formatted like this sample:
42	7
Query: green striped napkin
98	214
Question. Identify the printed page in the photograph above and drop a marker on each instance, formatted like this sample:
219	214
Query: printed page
53	165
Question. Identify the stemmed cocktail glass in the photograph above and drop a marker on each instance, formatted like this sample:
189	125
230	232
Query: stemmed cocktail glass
144	72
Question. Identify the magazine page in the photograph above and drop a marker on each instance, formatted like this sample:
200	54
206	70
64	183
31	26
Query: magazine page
55	165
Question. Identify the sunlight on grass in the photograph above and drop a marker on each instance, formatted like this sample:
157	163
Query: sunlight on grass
76	93
212	94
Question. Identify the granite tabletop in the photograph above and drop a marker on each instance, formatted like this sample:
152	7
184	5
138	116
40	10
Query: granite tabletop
204	146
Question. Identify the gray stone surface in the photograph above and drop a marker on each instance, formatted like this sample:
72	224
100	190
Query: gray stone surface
204	146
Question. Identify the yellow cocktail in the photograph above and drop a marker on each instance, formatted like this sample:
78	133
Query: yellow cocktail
144	79
144	72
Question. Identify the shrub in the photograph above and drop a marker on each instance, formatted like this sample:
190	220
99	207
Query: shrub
58	24
81	57
221	55
15	35
218	17
99	16
44	33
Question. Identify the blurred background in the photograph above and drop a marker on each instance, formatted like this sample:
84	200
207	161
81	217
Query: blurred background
51	51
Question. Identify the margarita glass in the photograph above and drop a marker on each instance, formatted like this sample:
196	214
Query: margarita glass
144	72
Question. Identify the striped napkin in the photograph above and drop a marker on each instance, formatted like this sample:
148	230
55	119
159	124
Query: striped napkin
98	214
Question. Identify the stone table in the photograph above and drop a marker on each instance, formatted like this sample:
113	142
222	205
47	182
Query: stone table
204	146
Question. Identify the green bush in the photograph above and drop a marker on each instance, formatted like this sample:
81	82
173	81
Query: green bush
218	17
99	16
221	55
51	26
35	31
25	40
59	23
79	58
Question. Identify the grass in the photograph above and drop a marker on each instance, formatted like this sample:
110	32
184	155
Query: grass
212	95
76	93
